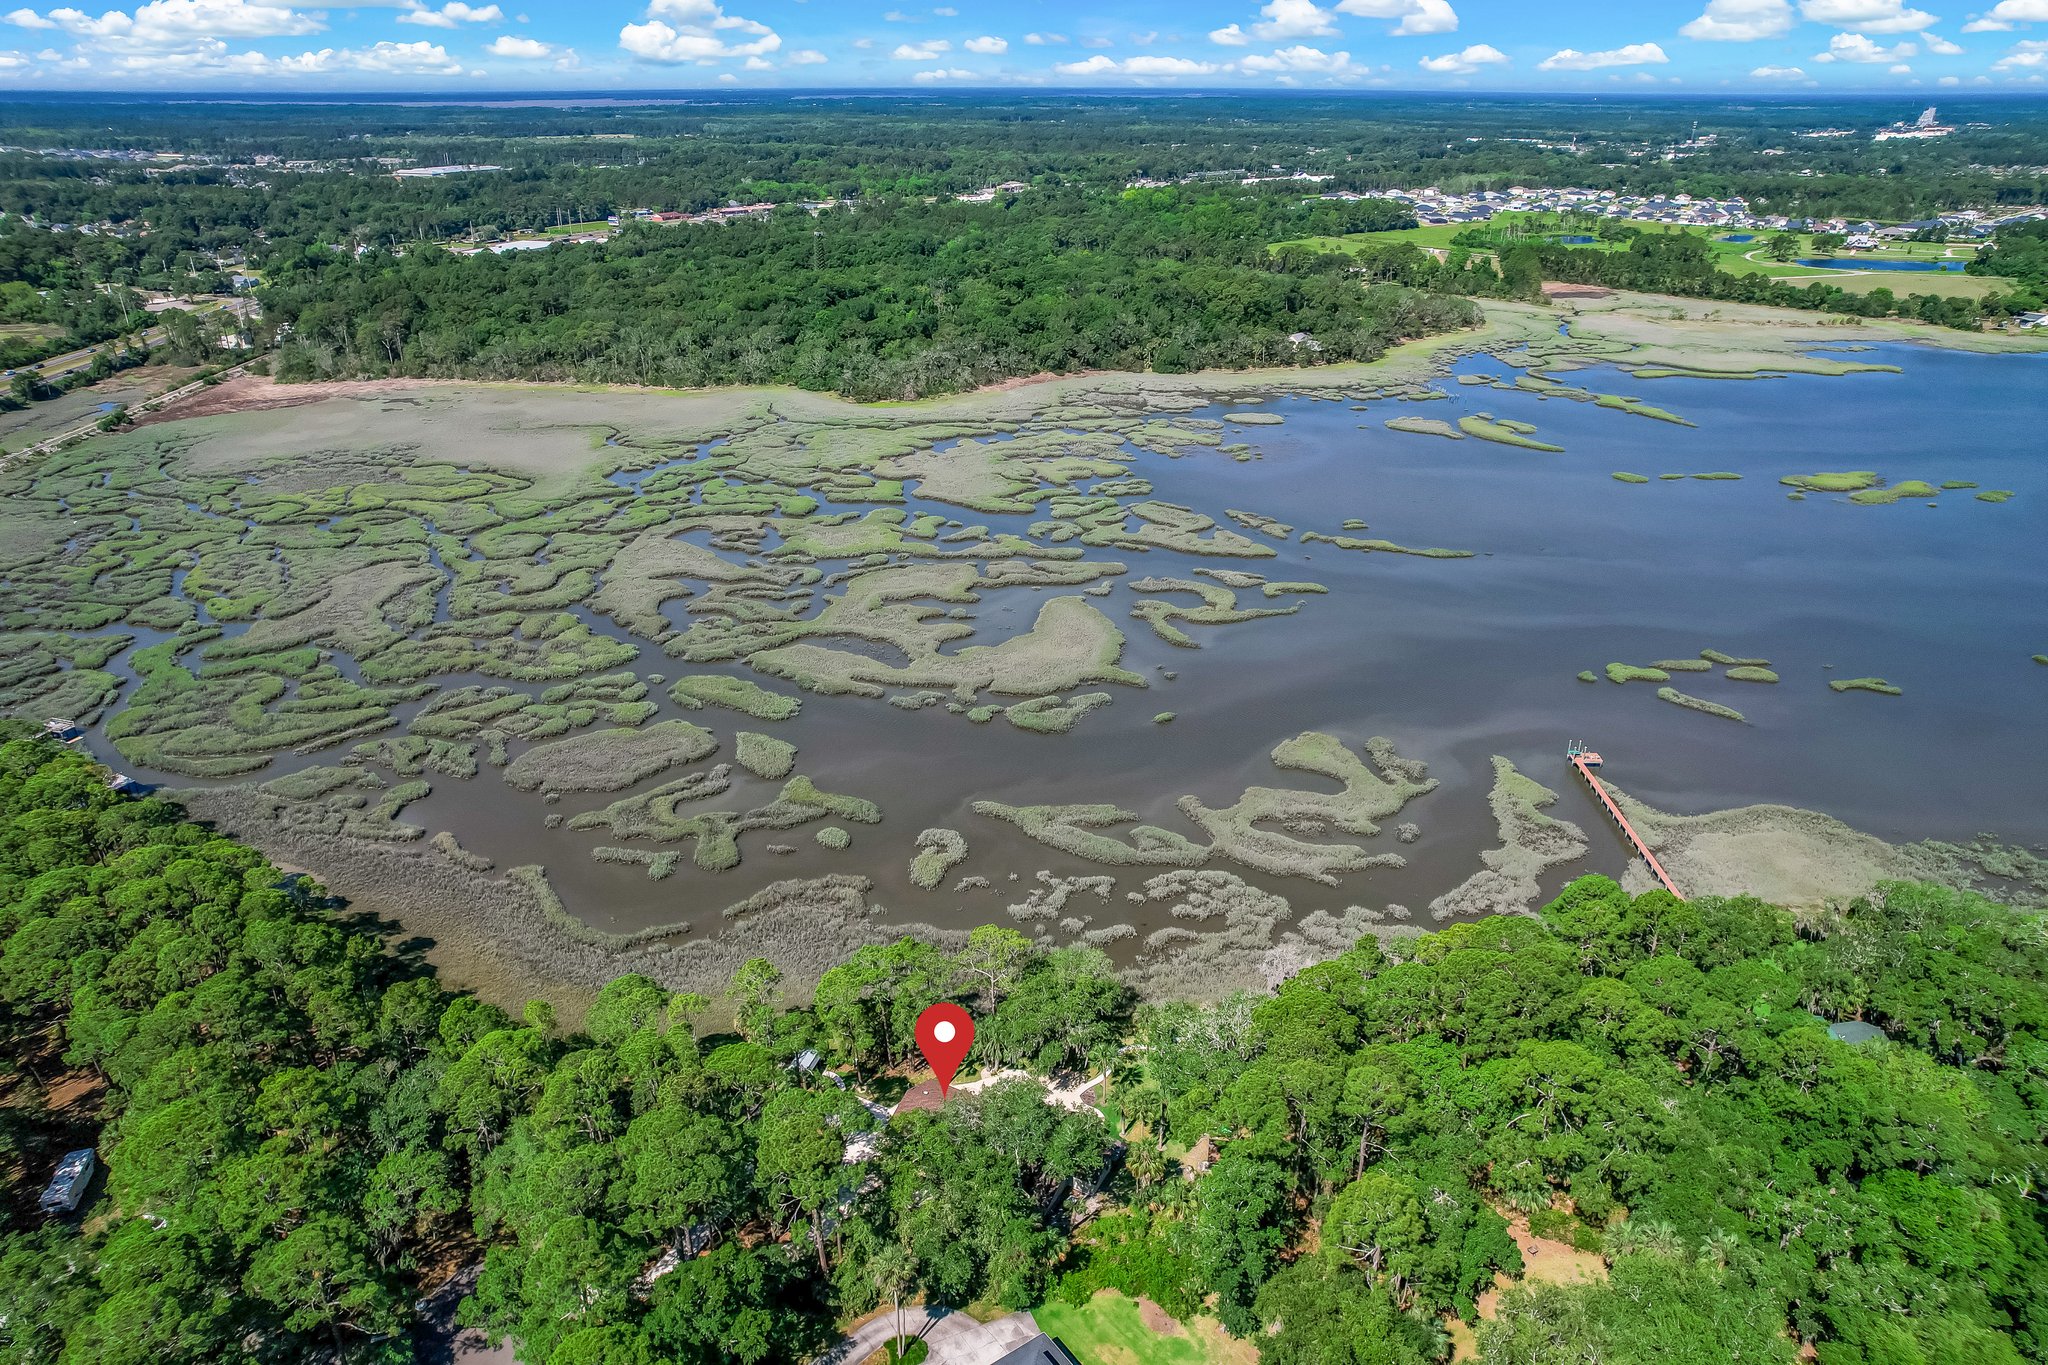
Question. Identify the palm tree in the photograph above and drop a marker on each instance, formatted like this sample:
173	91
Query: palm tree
892	1270
1146	1161
1718	1246
1629	1236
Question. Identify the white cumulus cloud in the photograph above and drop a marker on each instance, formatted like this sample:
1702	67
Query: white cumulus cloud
697	35
1099	65
943	73
1293	19
1855	47
1166	66
524	49
1281	19
807	56
1778	73
2006	13
1466	62
1634	54
423	57
451	14
1416	16
1299	58
1867	16
1044	39
211	58
2029	55
1940	46
921	52
175	25
1740	21
987	47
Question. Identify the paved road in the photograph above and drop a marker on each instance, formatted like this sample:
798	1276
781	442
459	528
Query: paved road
58	366
953	1337
438	1341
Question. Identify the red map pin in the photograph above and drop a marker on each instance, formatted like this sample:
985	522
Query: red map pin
944	1033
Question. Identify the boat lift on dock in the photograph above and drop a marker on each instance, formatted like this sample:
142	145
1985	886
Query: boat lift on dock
1585	760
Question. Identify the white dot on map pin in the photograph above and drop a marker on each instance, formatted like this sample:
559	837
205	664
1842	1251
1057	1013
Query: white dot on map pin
944	1034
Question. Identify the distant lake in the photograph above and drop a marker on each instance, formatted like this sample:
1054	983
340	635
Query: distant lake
1878	263
1740	237
1576	241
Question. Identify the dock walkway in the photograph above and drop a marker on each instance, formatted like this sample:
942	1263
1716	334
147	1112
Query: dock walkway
1585	760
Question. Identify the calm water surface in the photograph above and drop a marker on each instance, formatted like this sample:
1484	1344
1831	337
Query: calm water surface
1875	263
1458	660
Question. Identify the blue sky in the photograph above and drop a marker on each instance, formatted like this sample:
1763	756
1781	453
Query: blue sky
1705	46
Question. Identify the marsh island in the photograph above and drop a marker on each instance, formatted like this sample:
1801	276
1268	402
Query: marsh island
571	682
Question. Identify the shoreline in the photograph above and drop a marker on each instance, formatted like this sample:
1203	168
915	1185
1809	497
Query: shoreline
1508	325
505	932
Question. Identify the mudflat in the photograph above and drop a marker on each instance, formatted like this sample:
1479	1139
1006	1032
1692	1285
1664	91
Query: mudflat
572	682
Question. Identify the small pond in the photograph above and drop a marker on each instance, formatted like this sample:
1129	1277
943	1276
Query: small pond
1878	263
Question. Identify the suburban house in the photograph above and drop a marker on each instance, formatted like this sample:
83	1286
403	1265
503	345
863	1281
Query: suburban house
1040	1350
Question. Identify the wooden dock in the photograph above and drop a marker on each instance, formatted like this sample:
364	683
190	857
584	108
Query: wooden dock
1585	760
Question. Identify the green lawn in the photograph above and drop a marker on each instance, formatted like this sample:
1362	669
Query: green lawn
1736	258
1108	1331
1902	283
567	228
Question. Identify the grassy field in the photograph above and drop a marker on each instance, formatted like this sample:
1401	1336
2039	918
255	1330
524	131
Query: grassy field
1947	285
1737	258
1435	234
1111	1331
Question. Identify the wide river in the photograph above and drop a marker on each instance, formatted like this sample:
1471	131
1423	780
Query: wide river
1458	660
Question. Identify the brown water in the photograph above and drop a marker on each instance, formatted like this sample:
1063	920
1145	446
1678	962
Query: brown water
1458	660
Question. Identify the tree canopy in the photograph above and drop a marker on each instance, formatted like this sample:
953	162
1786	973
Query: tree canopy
303	1131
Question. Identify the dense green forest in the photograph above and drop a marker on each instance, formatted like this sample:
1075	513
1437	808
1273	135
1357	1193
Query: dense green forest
897	299
300	1126
684	152
903	298
2019	252
902	290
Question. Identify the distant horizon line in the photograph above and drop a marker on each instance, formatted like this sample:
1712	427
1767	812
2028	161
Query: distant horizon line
650	94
